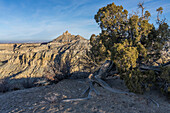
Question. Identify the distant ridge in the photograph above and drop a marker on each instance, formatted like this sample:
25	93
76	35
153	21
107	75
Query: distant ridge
65	37
22	41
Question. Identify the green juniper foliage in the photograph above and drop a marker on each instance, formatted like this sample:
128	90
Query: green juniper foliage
130	41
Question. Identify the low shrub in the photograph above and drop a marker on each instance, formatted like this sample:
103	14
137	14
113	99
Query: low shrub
4	85
29	82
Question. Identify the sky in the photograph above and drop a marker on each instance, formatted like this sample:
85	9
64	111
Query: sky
47	19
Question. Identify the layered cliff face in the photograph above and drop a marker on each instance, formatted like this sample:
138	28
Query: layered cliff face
62	57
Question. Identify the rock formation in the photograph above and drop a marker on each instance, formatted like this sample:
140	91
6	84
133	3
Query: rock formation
67	37
63	57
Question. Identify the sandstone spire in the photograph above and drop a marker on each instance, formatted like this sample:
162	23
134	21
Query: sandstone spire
67	33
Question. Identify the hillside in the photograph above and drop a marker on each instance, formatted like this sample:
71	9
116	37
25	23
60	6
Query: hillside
48	99
64	56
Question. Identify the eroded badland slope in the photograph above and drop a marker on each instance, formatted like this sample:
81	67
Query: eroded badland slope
64	56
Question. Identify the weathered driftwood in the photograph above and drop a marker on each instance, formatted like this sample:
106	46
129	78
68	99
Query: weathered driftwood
103	72
154	68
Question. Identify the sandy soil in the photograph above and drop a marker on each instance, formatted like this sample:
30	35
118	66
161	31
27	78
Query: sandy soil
48	99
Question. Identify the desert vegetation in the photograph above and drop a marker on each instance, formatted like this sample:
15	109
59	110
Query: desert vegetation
135	46
7	84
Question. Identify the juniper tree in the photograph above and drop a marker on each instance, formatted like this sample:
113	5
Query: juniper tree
157	38
98	49
126	38
140	5
160	11
107	17
117	28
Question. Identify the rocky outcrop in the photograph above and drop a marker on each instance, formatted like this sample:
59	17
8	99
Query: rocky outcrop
67	37
64	56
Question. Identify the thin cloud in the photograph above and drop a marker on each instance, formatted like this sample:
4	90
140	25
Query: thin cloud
48	19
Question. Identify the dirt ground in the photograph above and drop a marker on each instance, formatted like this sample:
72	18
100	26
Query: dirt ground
48	99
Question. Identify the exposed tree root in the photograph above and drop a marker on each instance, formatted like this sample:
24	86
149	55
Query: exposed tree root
102	74
153	101
91	88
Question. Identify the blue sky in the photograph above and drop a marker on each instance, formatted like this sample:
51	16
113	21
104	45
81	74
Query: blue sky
47	19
